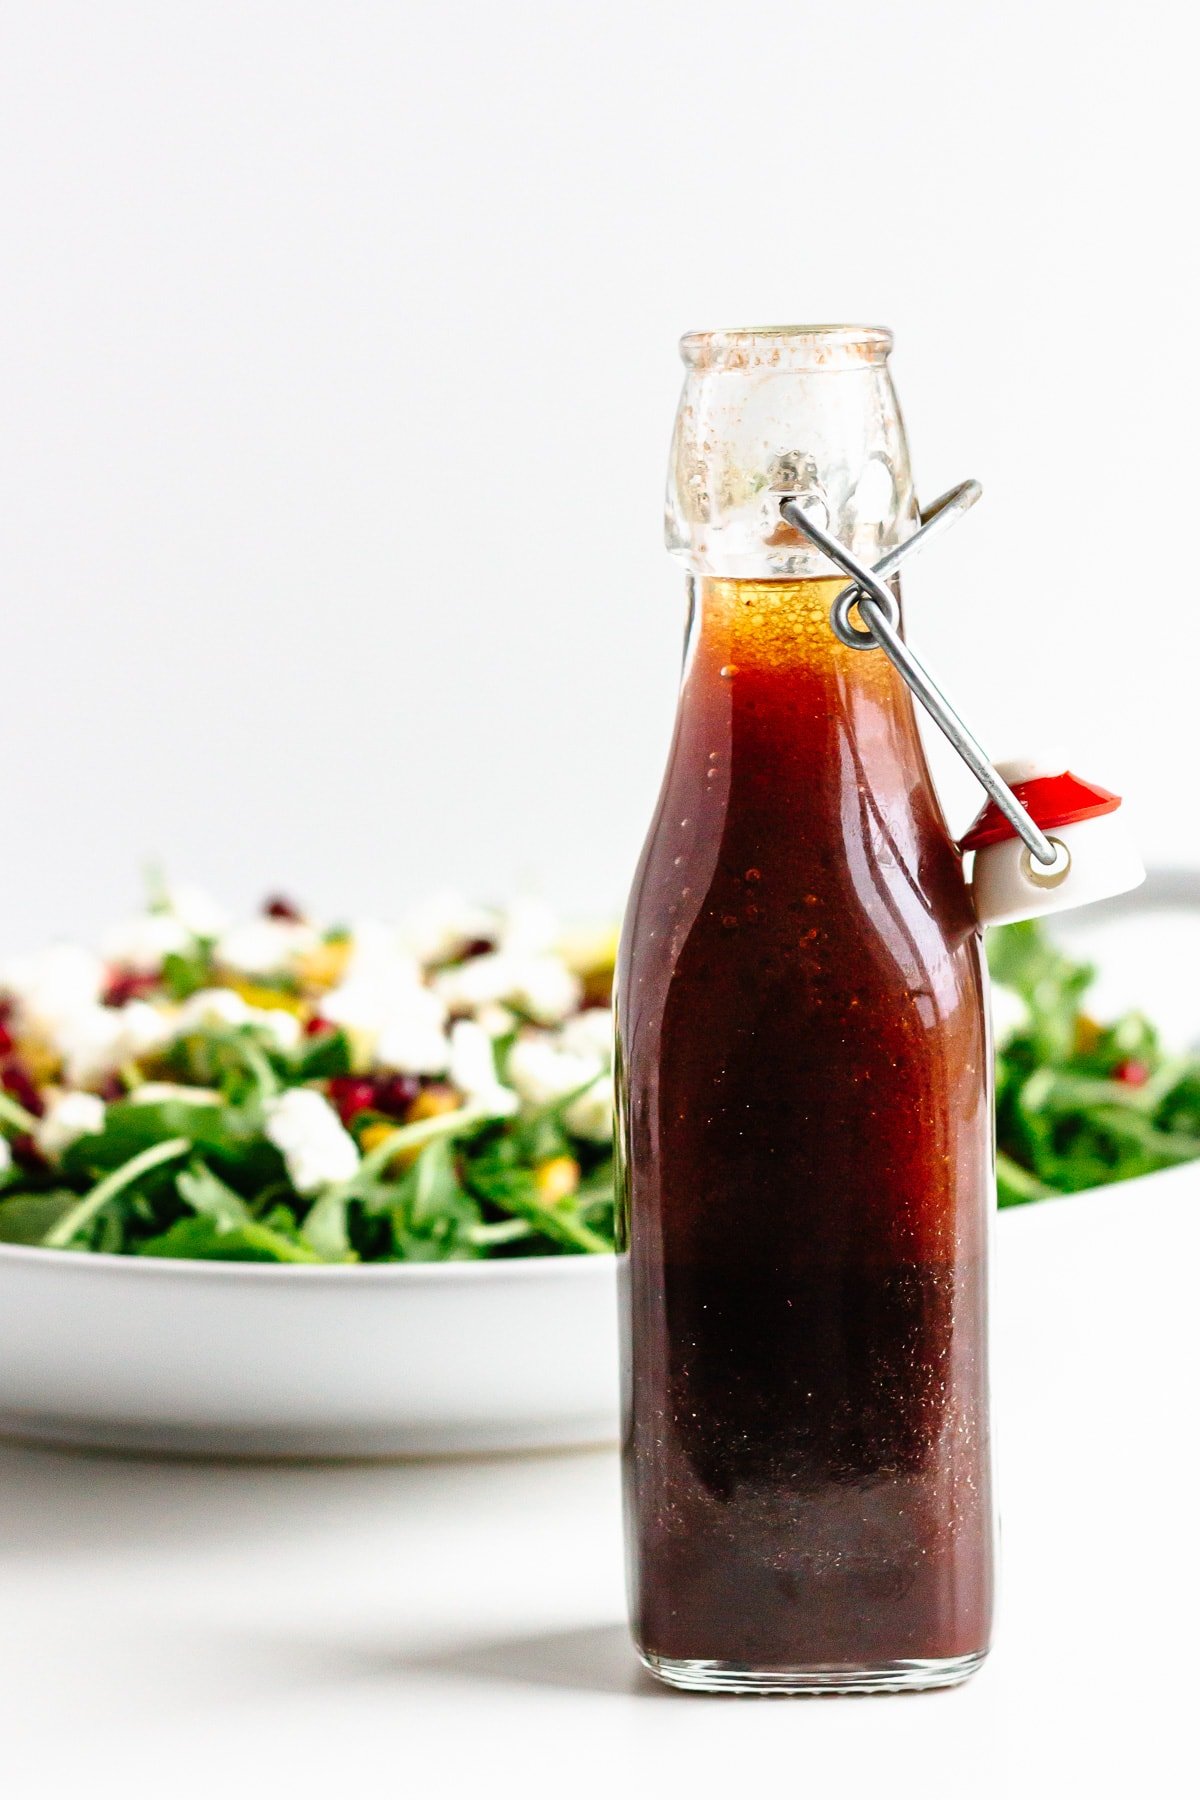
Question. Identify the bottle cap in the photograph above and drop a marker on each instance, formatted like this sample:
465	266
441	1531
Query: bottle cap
1097	857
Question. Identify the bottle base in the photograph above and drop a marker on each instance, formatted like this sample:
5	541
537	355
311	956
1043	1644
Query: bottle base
909	1675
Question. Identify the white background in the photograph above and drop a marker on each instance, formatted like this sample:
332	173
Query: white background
337	367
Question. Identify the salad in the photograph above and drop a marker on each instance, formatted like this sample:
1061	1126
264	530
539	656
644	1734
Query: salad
281	1090
1079	1103
284	1091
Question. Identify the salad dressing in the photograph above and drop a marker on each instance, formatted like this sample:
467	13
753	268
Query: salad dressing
805	1129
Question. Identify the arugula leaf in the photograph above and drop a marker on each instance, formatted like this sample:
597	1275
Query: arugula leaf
1079	1104
596	1195
26	1218
316	1059
14	1115
231	1137
240	1060
327	1227
431	1211
188	972
1015	1185
210	1197
253	1241
77	1218
510	1186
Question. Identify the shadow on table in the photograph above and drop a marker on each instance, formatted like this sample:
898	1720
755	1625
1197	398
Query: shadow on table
60	1502
594	1659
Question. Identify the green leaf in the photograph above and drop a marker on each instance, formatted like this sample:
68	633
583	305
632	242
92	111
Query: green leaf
431	1211
502	1232
316	1059
203	1239
327	1227
212	1198
78	1217
231	1136
188	972
1016	1186
328	1224
26	1218
512	1188
241	1060
542	1136
596	1196
13	1114
1022	957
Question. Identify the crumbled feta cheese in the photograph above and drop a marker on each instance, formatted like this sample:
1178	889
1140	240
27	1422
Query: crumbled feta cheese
542	987
545	989
590	1033
529	925
212	1006
315	1144
68	1115
145	1029
48	985
222	1007
281	1026
379	981
439	927
94	1041
197	911
591	1116
5	1156
383	1000
544	1070
374	944
144	942
498	1021
89	1041
264	946
413	1039
473	1071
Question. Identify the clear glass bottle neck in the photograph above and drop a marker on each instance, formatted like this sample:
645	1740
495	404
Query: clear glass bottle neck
766	415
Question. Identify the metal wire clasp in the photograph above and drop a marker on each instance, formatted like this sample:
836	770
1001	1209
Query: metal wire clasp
876	606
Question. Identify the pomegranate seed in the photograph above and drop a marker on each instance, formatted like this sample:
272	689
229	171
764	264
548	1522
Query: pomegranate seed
394	1094
1132	1073
278	906
316	1025
17	1081
26	1152
125	985
351	1094
6	1039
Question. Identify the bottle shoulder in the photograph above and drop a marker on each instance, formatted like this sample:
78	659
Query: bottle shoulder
872	908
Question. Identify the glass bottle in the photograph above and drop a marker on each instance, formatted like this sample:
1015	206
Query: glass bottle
804	1086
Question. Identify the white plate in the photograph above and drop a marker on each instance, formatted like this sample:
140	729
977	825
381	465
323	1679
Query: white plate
255	1359
259	1359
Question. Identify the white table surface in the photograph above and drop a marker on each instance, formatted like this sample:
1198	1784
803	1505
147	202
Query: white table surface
173	1629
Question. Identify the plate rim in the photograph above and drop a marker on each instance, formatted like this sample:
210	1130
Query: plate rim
215	1269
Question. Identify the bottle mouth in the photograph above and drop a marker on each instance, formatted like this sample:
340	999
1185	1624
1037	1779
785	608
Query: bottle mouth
786	347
